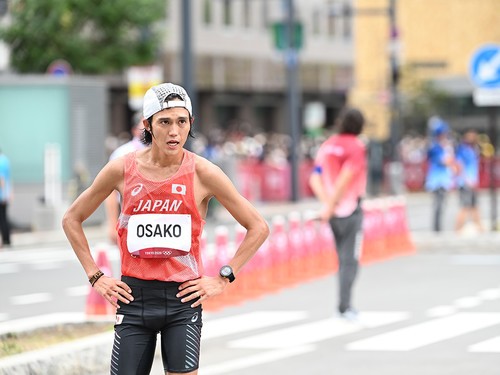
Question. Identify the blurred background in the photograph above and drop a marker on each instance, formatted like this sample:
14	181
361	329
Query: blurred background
267	79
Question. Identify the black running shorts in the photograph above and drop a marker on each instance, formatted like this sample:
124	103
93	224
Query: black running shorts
468	197
155	309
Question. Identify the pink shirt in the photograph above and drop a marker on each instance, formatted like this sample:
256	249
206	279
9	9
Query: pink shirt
335	154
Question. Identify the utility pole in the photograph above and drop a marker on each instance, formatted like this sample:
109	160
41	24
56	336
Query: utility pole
395	166
292	66
4	7
492	114
395	171
394	79
187	57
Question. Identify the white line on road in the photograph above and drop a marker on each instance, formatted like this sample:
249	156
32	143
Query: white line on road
317	331
28	299
254	360
27	256
9	268
248	322
489	294
488	346
427	333
464	303
476	260
467	302
440	311
46	265
49	320
77	291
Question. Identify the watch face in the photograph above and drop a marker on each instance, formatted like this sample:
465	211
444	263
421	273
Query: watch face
226	271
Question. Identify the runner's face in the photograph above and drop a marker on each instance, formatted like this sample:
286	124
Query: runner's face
171	129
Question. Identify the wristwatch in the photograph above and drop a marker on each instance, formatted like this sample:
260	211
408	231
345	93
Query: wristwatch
227	273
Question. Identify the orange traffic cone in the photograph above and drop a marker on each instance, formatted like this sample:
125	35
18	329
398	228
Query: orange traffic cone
219	255
97	304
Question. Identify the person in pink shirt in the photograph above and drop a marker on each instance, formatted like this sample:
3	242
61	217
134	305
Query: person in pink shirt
339	182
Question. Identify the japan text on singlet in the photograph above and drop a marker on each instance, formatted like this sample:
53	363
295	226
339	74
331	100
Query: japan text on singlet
159	228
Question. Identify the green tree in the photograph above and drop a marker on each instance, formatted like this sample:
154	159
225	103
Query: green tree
94	36
421	100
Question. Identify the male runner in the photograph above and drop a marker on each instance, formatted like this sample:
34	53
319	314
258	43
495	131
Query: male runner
165	191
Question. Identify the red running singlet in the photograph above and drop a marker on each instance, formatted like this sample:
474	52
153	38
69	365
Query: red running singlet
159	227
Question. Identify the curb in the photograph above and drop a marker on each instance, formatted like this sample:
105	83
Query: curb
89	355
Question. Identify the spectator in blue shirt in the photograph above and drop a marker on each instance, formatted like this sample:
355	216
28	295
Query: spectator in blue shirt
467	156
441	168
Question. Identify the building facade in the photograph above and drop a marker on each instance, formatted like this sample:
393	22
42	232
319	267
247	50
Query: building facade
433	42
240	74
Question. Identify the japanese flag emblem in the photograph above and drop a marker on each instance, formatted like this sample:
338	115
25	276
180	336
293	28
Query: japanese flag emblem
178	189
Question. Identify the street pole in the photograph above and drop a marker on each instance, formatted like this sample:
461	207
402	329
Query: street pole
396	168
187	57
291	61
493	194
394	77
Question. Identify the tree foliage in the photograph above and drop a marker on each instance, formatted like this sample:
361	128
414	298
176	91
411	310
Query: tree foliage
94	36
421	101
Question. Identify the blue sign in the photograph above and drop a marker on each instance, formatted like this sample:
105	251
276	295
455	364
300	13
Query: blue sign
59	68
484	69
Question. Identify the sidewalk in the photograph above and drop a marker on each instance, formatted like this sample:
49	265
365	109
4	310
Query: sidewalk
98	233
418	211
419	214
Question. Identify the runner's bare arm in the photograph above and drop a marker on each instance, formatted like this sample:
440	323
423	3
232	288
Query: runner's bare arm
108	179
210	181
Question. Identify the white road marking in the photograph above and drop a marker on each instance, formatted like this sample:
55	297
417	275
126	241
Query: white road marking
77	291
489	294
9	268
230	367
476	260
248	322
427	333
28	256
440	311
464	303
43	265
467	302
488	346
50	254
317	331
48	320
28	299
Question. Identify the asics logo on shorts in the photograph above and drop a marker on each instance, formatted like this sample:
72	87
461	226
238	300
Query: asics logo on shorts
194	318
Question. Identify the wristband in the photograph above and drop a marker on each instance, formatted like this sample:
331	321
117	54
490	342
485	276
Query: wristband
95	277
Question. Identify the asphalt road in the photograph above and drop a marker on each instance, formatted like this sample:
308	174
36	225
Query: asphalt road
434	312
420	314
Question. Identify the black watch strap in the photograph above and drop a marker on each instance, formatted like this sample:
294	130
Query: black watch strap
227	273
